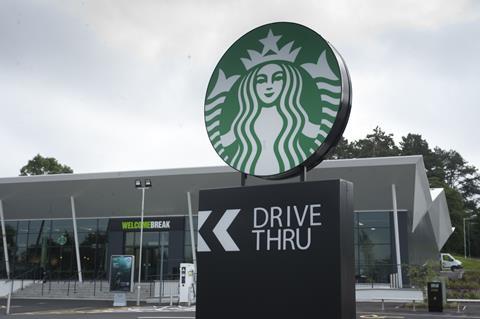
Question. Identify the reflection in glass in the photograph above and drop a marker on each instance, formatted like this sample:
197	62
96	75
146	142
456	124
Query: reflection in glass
62	225
373	235
102	224
374	219
22	227
36	226
22	240
373	246
129	239
150	239
86	225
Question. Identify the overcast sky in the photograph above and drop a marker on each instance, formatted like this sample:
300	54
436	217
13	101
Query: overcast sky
120	85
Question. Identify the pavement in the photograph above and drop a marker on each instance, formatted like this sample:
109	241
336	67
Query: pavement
367	310
79	309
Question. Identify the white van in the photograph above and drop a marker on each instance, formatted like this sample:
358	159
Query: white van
448	262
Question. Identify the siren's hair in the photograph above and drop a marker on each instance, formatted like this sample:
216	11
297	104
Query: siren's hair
287	145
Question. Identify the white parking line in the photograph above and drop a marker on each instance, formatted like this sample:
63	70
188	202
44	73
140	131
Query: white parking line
420	315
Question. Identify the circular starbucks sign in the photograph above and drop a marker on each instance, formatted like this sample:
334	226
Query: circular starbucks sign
62	240
278	101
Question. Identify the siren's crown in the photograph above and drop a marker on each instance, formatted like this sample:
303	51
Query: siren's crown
270	52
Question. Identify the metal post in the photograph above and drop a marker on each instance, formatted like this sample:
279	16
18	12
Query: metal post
464	240
397	237
75	237
303	175
469	225
192	236
161	271
4	237
141	248
243	179
9	299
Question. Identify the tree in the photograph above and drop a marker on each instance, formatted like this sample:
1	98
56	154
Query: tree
452	168
445	169
414	144
40	165
344	149
456	206
419	276
376	144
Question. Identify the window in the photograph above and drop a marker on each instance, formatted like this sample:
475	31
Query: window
373	246
447	258
92	239
86	225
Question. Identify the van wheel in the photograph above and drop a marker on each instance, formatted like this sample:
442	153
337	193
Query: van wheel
454	268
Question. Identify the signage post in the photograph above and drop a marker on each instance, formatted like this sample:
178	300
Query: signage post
278	101
276	251
186	283
121	277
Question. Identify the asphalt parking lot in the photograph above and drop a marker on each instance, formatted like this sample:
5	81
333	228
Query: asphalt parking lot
80	309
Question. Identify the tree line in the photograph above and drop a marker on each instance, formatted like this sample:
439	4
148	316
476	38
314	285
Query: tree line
445	168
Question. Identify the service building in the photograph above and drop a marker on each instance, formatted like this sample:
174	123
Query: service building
39	214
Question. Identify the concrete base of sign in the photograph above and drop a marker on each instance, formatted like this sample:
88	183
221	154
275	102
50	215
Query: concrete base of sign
293	242
120	300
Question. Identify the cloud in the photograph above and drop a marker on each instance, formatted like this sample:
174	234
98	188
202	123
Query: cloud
119	85
421	82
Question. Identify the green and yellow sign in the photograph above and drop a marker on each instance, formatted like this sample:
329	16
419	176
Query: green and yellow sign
147	225
150	224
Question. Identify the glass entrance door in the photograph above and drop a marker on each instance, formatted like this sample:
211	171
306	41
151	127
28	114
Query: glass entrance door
154	244
151	256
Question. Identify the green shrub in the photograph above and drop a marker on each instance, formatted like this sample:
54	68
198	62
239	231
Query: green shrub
420	275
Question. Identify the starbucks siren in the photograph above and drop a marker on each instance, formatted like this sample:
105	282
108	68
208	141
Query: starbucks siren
278	101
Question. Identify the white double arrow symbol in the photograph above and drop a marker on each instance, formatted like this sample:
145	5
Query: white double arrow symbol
220	230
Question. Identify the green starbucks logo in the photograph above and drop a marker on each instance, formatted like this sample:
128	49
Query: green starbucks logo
62	240
278	100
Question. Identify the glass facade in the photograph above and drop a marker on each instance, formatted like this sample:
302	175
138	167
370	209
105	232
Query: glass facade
374	246
93	243
48	245
154	254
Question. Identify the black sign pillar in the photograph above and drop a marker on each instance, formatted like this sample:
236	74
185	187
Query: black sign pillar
276	251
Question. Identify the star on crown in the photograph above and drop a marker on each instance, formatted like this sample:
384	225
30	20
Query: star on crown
270	52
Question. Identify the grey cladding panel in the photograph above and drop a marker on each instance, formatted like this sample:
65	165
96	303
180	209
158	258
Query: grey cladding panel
117	196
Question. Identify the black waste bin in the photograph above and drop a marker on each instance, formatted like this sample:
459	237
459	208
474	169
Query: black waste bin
435	297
